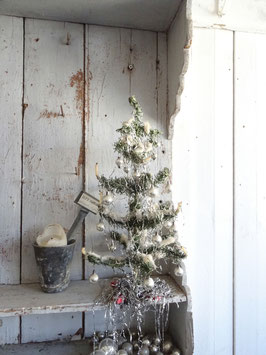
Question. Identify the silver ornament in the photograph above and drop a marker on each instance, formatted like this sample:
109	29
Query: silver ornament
136	173
153	192
167	346
94	278
122	352
135	345
146	341
108	199
144	350
175	351
119	162
157	238
178	271
100	226
148	282
126	169
168	224
156	341
100	335
108	346
128	347
154	349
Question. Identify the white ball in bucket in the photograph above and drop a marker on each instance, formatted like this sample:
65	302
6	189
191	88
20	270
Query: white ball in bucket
52	236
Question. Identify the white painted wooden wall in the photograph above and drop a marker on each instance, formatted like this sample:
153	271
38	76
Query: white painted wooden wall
59	107
220	172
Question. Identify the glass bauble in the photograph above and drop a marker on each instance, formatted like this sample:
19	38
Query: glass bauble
108	346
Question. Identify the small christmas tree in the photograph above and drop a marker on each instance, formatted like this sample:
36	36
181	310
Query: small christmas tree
147	232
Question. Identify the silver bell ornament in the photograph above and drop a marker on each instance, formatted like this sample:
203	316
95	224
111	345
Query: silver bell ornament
154	349
178	271
119	162
128	347
175	351
94	278
144	350
108	199
100	226
148	282
154	192
108	346
157	239
167	346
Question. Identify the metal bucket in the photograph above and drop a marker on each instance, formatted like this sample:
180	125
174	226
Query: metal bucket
54	266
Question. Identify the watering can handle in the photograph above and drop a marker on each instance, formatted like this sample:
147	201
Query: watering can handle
79	219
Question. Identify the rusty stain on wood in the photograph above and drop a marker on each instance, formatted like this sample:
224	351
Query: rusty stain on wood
24	106
49	114
77	80
80	159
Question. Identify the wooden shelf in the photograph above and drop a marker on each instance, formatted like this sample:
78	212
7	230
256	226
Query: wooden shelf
78	297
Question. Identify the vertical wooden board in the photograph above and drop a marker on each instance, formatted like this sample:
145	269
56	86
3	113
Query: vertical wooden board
165	152
53	147
223	192
11	74
144	75
42	328
148	84
9	330
108	91
11	77
250	174
202	175
53	143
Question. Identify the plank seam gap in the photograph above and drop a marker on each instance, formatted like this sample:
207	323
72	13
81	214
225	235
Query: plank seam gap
83	140
233	207
22	170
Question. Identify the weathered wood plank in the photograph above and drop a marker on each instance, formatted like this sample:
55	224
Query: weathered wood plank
202	175
42	328
53	150
108	90
53	143
11	77
154	16
250	194
80	296
9	330
58	348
